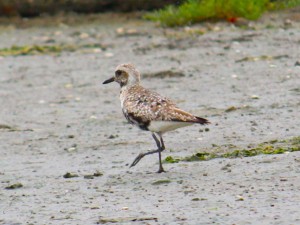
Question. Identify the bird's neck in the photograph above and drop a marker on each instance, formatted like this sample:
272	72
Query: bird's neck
129	86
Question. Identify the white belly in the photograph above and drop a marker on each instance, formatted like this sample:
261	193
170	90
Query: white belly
165	126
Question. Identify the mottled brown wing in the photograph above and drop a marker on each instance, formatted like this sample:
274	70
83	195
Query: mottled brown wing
145	105
182	116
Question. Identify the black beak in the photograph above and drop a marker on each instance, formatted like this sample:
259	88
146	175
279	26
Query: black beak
109	80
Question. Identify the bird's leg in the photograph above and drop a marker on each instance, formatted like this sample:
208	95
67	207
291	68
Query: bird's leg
162	143
141	155
160	147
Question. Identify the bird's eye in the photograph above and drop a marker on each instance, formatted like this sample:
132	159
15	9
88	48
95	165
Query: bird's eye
118	73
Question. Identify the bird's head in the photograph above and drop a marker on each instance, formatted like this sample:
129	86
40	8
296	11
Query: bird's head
125	75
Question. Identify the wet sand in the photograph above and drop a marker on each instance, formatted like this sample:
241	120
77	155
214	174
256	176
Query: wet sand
57	117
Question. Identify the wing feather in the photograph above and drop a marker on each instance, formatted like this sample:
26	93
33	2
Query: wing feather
146	105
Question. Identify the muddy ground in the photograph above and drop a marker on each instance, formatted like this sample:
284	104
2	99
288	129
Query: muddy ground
56	117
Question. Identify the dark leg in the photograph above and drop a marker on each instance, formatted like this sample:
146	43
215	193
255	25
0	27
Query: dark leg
160	147
161	169
162	143
156	141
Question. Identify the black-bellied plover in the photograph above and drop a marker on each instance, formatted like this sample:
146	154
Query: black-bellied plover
148	110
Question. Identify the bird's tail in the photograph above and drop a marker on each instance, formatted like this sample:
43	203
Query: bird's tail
201	120
182	116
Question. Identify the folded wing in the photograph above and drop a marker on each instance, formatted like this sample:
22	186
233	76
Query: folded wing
145	106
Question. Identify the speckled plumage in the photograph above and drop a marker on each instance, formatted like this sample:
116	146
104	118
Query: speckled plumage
149	110
142	106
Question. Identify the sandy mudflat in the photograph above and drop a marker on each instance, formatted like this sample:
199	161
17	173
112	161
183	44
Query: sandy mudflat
57	117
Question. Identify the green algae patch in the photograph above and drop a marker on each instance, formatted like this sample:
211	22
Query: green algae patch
125	220
7	127
261	58
296	141
14	186
200	156
159	182
92	176
273	147
170	159
16	50
70	175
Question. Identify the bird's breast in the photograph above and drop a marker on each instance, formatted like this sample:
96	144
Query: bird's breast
135	120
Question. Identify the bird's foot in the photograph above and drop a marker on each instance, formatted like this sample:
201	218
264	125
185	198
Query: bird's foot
137	159
141	155
161	170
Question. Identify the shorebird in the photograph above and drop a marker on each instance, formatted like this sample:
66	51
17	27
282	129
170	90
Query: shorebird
148	110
